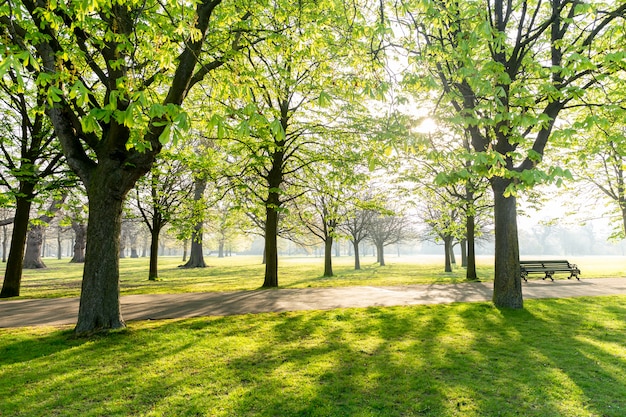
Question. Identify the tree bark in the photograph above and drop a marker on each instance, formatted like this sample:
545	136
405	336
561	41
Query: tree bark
196	255
471	274
357	260
5	242
463	246
271	247
447	249
380	253
220	251
99	301
15	261
507	285
328	257
34	242
153	273
80	236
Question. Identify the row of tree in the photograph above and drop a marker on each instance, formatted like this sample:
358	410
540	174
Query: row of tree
275	102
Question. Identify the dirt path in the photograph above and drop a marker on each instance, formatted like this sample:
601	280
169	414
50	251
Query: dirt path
63	311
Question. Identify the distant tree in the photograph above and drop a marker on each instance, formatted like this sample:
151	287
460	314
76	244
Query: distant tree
385	230
34	242
356	228
196	254
159	196
596	146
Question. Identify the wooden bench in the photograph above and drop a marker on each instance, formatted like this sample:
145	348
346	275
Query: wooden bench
549	268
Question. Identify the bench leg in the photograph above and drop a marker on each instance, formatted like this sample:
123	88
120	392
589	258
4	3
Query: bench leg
549	275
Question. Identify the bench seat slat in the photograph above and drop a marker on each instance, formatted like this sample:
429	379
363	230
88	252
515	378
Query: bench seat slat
548	267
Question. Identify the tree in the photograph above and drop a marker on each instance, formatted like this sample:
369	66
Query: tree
385	230
32	256
159	195
596	146
509	69
115	75
357	227
31	161
296	88
196	254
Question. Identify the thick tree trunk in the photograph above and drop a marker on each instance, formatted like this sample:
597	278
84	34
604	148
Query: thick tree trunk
452	256
80	241
34	243
357	260
507	285
271	247
447	250
471	274
13	273
220	251
100	295
328	257
196	254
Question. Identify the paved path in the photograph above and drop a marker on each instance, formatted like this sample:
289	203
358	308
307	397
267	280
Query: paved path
63	311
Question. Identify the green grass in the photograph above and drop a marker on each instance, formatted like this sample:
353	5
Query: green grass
241	273
555	358
62	279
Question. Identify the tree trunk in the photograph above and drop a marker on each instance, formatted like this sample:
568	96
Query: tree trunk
59	244
80	240
196	256
328	257
123	238
271	247
100	294
185	243
132	237
34	243
380	250
5	241
15	261
470	273
452	256
357	260
507	285
447	249
153	273
220	251
463	246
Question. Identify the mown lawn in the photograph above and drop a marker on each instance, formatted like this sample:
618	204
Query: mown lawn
62	279
555	358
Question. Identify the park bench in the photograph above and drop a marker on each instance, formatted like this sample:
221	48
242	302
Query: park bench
549	268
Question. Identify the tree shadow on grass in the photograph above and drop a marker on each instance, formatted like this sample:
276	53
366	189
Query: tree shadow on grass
443	360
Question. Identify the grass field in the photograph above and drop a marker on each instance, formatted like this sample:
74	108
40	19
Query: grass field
555	358
62	279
